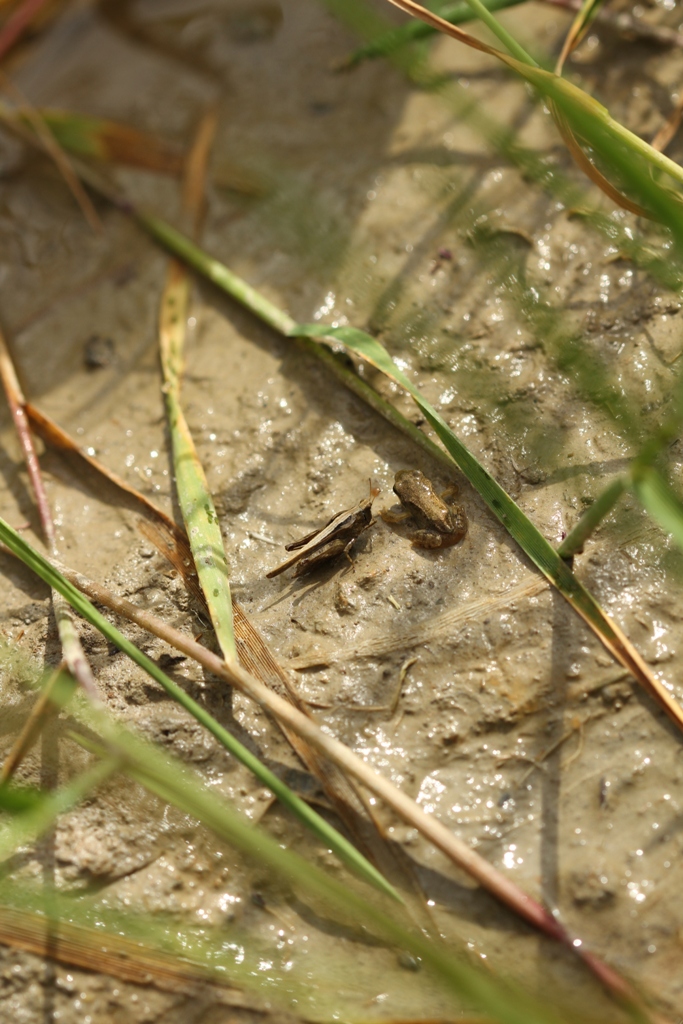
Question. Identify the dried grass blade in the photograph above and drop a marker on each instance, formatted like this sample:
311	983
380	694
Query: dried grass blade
54	435
579	27
196	168
17	405
520	528
108	953
43	709
51	146
18	22
72	650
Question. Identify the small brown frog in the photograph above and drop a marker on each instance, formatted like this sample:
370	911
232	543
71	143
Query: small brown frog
436	521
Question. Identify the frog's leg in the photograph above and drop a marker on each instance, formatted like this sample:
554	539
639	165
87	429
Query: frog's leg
450	494
429	539
432	539
395	514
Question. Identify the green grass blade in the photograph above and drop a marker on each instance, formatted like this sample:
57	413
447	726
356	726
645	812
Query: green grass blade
578	29
393	39
592	517
194	497
659	499
325	832
481	11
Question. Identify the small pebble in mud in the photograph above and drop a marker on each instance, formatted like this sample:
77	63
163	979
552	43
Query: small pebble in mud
98	352
617	694
408	962
344	600
589	889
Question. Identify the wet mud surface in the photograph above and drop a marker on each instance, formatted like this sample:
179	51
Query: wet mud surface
458	673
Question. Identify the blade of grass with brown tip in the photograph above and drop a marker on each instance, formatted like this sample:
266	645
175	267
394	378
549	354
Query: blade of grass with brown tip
388	42
97	138
71	645
579	27
195	499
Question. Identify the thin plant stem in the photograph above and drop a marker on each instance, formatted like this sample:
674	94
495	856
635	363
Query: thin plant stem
484	14
576	538
41	710
18	23
72	650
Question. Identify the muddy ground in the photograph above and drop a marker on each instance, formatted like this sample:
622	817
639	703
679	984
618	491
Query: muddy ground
457	673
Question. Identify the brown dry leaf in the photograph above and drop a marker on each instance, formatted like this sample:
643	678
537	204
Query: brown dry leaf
93	950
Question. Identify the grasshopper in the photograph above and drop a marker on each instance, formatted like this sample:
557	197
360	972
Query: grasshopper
327	542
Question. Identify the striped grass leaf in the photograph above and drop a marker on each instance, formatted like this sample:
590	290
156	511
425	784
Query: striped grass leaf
194	497
325	832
